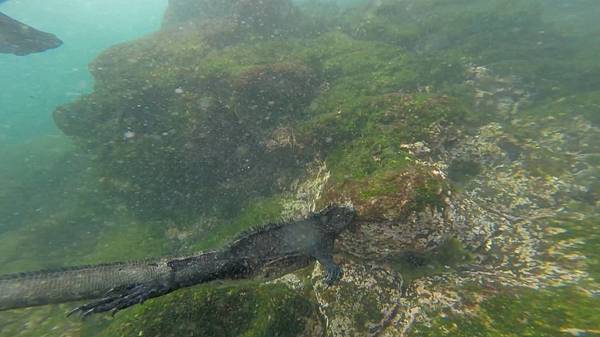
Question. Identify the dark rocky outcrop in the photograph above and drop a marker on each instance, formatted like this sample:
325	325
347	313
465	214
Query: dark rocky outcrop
20	39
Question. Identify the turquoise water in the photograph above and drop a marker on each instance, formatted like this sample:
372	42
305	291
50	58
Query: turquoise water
465	133
33	86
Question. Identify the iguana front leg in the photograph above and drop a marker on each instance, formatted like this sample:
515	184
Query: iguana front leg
333	270
118	299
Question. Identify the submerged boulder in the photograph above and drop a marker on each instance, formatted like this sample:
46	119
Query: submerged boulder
21	39
252	18
175	123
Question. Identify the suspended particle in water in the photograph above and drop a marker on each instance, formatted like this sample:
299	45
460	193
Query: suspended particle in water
128	134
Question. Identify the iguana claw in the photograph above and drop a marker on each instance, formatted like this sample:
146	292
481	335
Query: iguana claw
334	273
117	300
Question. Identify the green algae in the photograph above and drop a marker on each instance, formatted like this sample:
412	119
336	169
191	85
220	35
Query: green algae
73	222
45	229
460	170
44	321
255	213
435	25
583	104
374	164
139	240
138	130
368	313
428	195
518	37
522	312
366	158
241	310
217	97
167	126
554	311
449	255
41	165
575	230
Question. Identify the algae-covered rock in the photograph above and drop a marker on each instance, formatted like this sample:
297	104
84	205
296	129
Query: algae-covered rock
522	37
250	310
181	122
362	303
437	26
181	11
175	122
411	218
253	18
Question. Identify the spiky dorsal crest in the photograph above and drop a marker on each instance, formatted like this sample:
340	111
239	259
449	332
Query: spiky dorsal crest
270	227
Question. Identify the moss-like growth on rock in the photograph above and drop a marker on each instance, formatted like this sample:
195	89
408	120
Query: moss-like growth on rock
253	213
553	312
413	265
461	170
175	123
188	129
263	17
242	310
375	169
586	105
512	36
434	25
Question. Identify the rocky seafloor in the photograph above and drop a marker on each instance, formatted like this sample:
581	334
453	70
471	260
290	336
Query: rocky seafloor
466	136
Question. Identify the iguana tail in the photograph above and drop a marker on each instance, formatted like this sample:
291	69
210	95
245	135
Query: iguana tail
77	283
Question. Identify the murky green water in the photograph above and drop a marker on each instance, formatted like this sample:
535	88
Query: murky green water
466	134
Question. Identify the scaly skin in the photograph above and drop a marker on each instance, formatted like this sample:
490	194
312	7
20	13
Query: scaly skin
268	252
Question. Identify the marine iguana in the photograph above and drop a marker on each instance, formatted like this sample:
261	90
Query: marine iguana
268	252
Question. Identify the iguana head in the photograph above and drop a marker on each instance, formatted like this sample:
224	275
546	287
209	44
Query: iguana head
336	218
